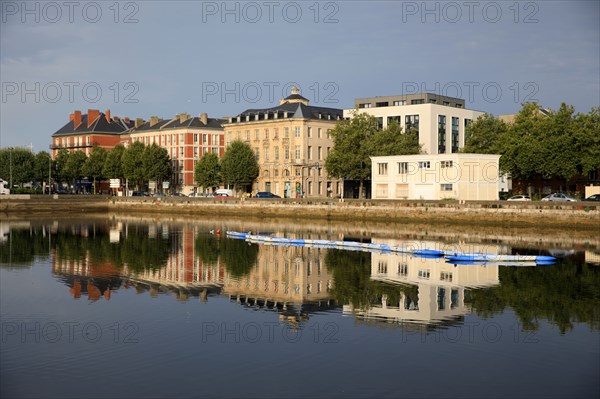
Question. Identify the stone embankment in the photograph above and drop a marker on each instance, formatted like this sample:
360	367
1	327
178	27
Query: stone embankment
564	215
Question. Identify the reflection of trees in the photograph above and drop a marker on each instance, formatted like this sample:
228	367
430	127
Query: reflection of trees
206	247
22	245
562	294
238	256
140	252
351	272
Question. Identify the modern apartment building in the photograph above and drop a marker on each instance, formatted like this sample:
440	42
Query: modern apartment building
439	120
291	142
186	139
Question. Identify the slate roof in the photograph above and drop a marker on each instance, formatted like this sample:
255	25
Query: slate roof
192	122
296	111
100	125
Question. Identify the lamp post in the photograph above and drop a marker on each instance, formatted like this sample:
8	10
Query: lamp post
10	166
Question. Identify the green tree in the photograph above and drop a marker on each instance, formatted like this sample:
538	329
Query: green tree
74	166
133	163
392	141
207	171
239	166
113	167
16	163
484	135
60	162
94	165
156	163
42	167
350	156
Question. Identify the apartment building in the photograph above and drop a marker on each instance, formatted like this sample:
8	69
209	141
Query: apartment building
85	131
291	142
439	120
186	138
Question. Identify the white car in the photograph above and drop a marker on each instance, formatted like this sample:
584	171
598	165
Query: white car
559	197
519	198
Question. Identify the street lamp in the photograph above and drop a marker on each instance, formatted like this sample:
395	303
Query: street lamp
10	166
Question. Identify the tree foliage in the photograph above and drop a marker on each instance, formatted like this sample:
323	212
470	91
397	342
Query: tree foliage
42	165
355	140
207	171
559	143
17	163
94	165
238	165
156	163
113	167
60	162
133	163
74	165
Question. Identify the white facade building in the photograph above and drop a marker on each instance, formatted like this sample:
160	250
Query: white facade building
440	120
434	177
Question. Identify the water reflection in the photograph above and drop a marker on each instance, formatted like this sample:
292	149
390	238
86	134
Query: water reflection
195	261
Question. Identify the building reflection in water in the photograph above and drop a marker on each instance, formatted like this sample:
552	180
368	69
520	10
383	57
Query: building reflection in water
438	293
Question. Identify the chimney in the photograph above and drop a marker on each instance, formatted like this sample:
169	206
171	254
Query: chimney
139	122
107	113
92	114
204	118
127	120
153	120
76	118
116	119
183	117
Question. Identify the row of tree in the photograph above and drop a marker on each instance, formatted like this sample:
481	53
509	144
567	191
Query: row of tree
560	144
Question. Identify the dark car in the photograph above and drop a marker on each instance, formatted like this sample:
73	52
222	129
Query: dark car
139	194
595	197
265	194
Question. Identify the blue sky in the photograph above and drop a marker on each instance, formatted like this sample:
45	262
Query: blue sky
143	58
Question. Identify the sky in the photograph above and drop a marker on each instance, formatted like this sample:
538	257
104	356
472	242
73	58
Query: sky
145	58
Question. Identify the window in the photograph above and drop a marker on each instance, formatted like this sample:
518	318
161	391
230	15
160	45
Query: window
286	152
319	133
297	152
446	276
441	134
266	151
391	119
276	149
402	168
309	152
382	104
238	135
266	134
424	274
256	134
256	153
454	134
401	190
383	168
446	164
381	190
446	187
275	133
204	139
379	123
297	132
286	133
403	269
364	105
424	164
420	101
309	132
467	133
195	138
328	134
411	122
319	153
400	102
181	137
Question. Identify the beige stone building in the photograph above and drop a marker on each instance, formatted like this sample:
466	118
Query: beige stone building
291	142
435	177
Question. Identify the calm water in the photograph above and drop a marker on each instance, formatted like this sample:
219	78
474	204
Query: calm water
126	307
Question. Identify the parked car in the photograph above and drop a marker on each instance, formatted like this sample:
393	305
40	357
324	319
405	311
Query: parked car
139	194
519	198
221	195
559	197
595	197
178	195
158	194
266	194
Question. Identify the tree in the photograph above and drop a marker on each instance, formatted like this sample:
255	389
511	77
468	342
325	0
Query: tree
392	141
133	163
16	165
350	156
94	165
207	171
74	166
42	165
60	162
484	135
113	167
358	139
156	163
239	166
